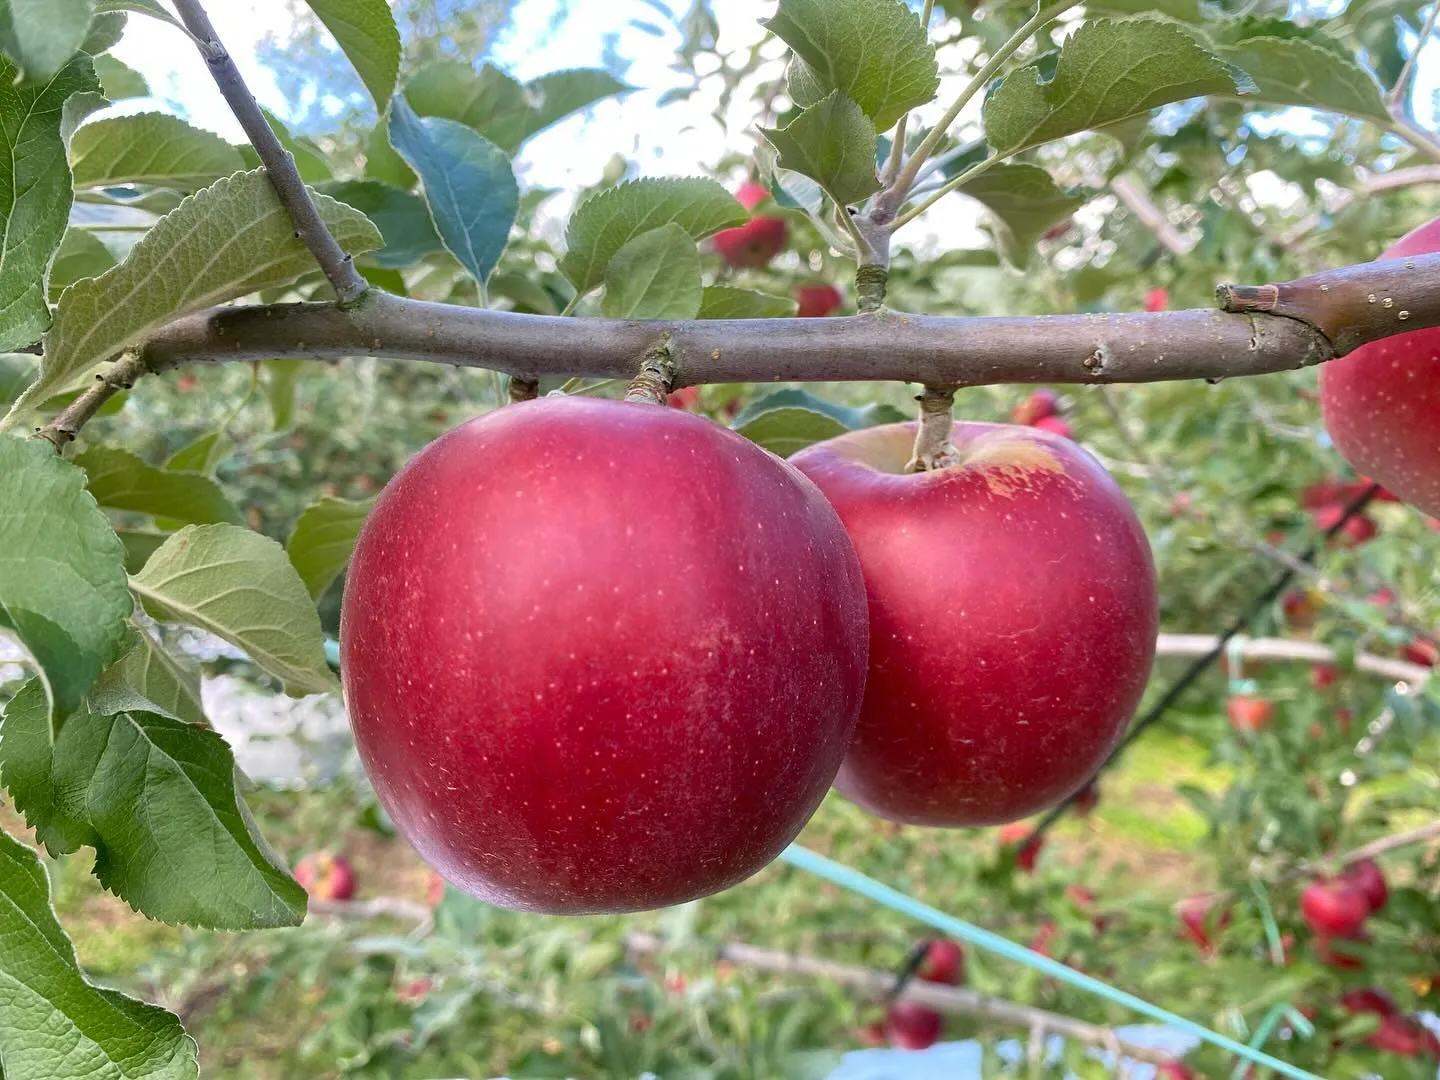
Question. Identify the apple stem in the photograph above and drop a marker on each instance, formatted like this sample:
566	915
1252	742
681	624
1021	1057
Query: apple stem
932	441
657	372
870	281
523	389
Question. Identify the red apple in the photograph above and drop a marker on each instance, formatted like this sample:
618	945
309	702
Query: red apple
1249	715
817	301
757	241
1055	426
1017	835
1424	653
434	890
684	398
1044	937
1038	405
1334	908
1175	1070
1195	916
601	656
1358	528
912	1027
1366	875
1369	1000
1013	619
1324	676
326	876
1157	299
1299	609
1405	1036
871	1034
1382	402
1327	952
944	963
1086	800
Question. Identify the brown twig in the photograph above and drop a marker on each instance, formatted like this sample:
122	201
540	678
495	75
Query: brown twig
1308	652
942	998
279	164
1137	200
120	375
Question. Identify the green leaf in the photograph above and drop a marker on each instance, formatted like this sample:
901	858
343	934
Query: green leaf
150	679
280	378
607	221
153	8
150	148
1107	71
787	430
469	185
42	35
833	143
309	161
105	32
240	586
53	1023
230	239
489	100
122	481
140	544
156	799
62	579
200	455
852	418
323	539
1296	71
366	32
875	52
17	370
383	163
120	81
654	276
560	93
35	193
401	216
728	302
1023	201
80	255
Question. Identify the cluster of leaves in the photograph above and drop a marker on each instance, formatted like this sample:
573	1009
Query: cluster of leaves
108	748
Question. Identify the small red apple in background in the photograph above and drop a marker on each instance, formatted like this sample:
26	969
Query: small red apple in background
1059	229
1368	999
1424	653
909	1026
1196	917
1157	299
1086	800
757	241
1405	1036
1042	556
817	301
870	1034
1324	676
1182	502
186	383
1382	597
434	890
1175	1070
1334	908
1366	876
605	723
1299	609
1249	714
1054	425
414	991
684	398
326	876
1016	835
1381	402
1358	528
1332	492
944	963
1044	937
1329	954
1038	405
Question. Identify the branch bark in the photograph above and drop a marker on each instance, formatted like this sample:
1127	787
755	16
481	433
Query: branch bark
1309	652
942	998
279	165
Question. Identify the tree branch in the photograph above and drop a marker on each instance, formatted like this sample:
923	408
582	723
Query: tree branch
1309	652
67	423
279	165
942	998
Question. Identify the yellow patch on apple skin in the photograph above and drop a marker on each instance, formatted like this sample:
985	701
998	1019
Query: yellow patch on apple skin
1008	464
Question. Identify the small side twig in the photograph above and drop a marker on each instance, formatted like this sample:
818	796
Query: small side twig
1137	200
279	164
120	375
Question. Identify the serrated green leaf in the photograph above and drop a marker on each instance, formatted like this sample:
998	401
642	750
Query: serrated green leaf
654	276
80	255
488	100
55	1024
787	430
140	544
401	216
230	239
851	417
833	143
106	29
148	678
323	539
42	35
728	302
122	481
309	161
1297	71
1023	201
469	185
240	586
607	221
156	799
560	93
1107	71
875	52
118	80
200	455
366	32
62	581
383	163
35	193
150	148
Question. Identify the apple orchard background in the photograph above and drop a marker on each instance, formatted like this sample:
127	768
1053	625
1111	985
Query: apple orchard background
1269	763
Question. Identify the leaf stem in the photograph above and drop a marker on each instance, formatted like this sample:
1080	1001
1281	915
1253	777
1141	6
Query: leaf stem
945	189
1397	94
897	147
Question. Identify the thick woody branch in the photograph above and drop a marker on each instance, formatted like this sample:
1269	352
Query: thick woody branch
279	165
949	999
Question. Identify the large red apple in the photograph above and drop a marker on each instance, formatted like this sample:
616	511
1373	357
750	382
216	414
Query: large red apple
601	656
1382	401
757	241
1012	620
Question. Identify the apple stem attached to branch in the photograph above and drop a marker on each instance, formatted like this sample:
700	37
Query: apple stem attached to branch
656	376
523	388
279	164
932	440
